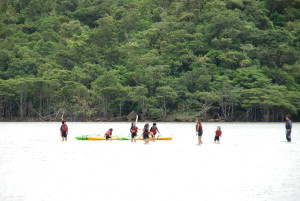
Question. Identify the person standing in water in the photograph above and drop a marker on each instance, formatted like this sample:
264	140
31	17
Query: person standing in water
133	131
199	131
288	127
154	130
218	135
146	133
108	134
64	131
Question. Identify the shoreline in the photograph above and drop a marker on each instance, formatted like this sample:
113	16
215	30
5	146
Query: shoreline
146	120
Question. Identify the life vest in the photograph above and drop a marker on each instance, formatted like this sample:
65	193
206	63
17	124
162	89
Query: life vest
108	132
135	129
218	133
64	128
199	127
146	131
153	130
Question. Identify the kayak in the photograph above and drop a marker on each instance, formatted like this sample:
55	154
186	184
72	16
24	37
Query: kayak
83	137
124	138
100	138
95	137
159	138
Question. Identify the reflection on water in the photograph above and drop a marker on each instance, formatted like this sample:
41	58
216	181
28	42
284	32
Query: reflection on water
253	162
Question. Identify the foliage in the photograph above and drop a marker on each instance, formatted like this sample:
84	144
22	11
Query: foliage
85	60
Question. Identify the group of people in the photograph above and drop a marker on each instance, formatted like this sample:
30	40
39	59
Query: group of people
199	132
147	133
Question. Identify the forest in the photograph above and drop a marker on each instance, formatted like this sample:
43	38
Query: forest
165	60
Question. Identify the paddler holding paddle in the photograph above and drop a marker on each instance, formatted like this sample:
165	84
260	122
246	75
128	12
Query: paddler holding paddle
133	131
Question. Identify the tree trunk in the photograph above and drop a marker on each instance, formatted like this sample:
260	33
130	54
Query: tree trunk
22	105
105	106
120	108
165	108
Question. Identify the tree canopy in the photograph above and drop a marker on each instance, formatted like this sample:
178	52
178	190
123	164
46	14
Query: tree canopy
165	60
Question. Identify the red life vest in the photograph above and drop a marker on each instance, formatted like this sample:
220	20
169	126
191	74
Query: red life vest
135	129
108	132
218	133
64	128
153	130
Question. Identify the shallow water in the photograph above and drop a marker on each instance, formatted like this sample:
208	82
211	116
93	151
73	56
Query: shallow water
253	162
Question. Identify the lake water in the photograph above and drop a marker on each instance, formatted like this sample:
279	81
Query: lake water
253	162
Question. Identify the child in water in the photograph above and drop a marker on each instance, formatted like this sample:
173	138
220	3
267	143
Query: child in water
64	131
108	134
133	131
218	135
199	131
154	130
146	133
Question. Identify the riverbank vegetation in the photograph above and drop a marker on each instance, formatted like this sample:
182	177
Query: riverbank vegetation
165	60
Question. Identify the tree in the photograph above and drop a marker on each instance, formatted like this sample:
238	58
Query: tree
138	95
166	95
106	87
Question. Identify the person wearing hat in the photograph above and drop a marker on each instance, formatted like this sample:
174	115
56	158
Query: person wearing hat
64	131
108	134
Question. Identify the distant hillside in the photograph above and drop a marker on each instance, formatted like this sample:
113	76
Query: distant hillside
166	60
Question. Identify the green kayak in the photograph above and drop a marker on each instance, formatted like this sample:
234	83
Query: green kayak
82	137
124	138
87	137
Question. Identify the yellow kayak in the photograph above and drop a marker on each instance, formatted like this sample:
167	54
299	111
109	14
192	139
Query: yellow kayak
159	138
100	138
95	137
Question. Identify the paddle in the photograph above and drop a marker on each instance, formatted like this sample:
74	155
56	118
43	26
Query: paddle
136	120
158	136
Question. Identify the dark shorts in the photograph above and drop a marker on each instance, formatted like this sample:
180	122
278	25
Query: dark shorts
107	136
133	135
288	135
200	133
146	137
64	134
217	138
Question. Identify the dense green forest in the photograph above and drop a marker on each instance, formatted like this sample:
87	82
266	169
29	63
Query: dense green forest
232	60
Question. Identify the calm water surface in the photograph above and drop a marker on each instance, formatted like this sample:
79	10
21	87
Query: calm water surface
253	162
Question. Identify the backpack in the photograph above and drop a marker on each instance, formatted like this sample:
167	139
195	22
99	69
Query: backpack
64	128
